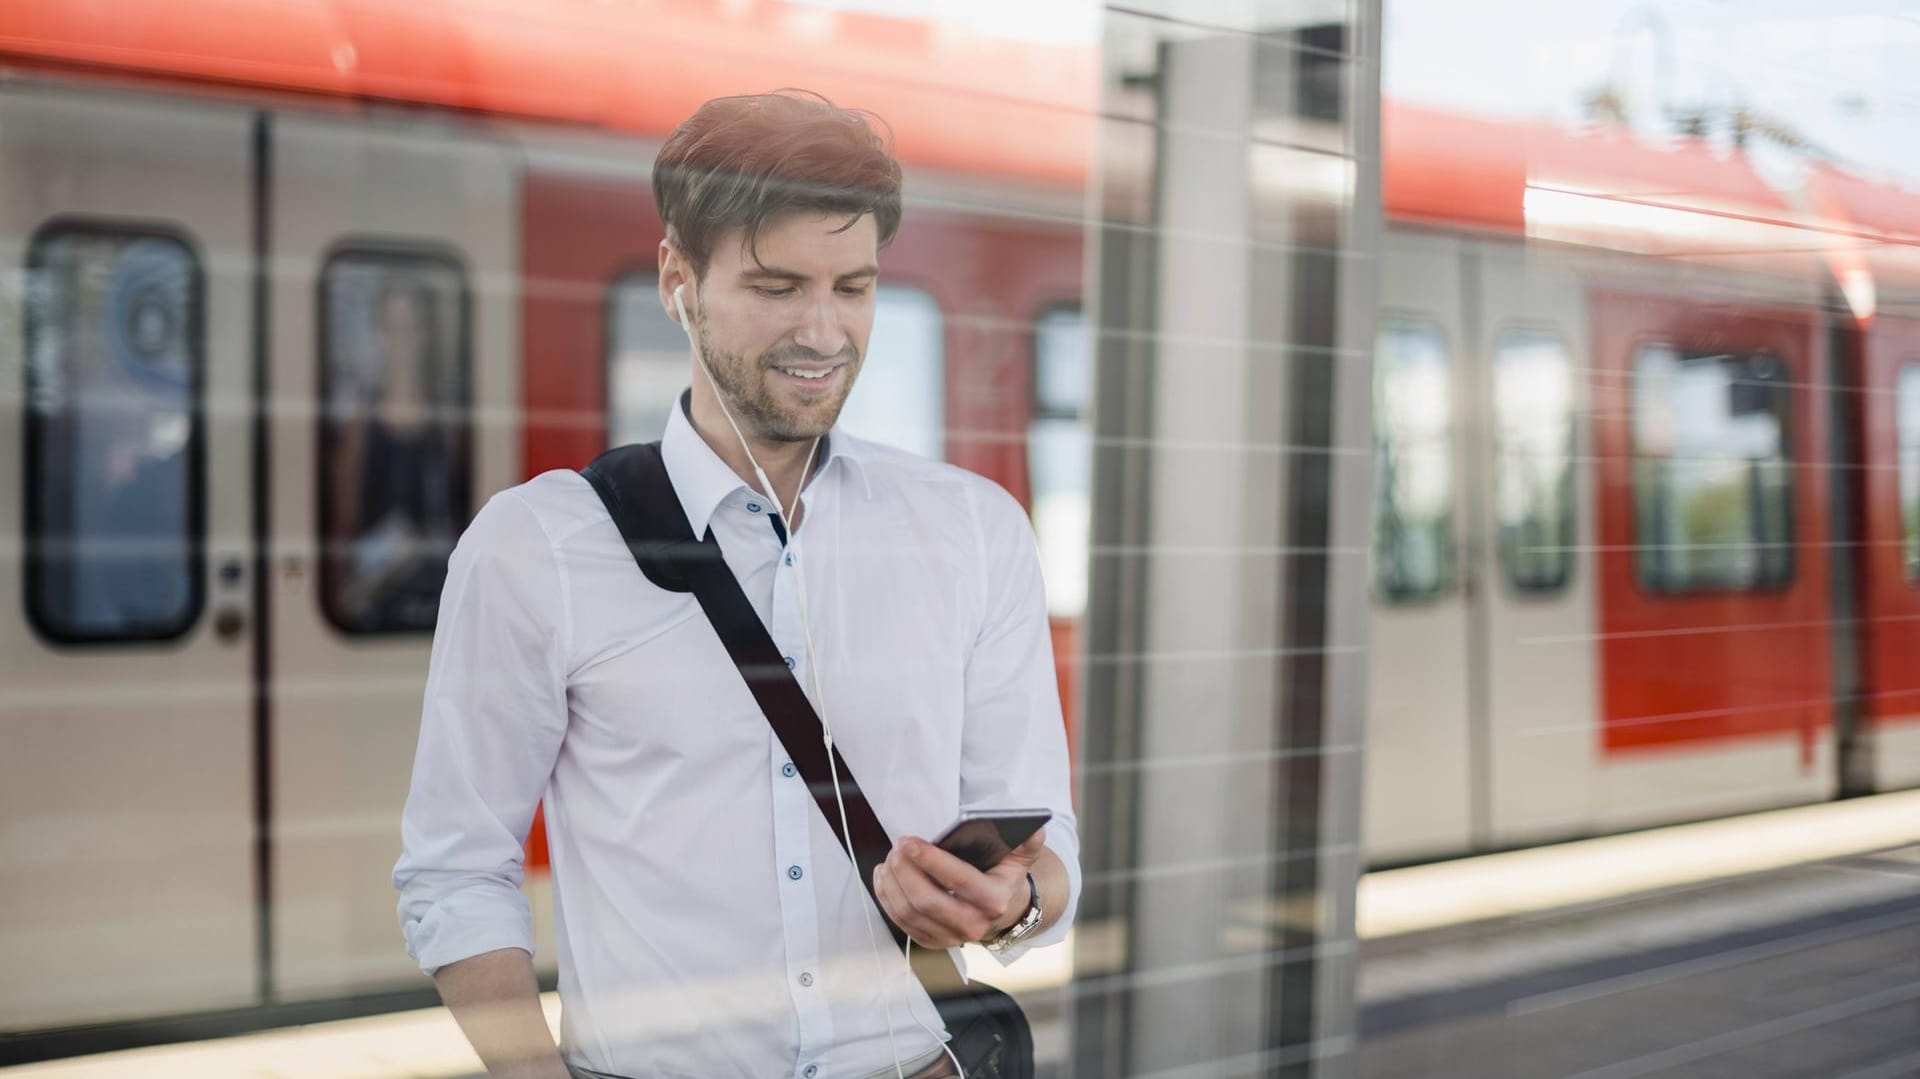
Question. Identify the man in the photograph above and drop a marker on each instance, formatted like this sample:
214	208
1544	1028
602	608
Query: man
708	922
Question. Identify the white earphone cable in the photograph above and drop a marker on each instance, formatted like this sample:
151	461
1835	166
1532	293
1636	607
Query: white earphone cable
813	671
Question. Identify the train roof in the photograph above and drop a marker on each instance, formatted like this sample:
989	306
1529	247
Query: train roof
958	102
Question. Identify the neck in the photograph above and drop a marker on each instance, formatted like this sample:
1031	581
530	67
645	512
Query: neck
781	460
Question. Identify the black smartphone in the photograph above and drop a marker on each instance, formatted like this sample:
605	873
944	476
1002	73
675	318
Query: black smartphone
982	838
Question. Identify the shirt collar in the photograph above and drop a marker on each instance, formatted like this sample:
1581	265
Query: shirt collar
703	481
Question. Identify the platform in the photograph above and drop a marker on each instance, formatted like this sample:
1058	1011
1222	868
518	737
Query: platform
1777	945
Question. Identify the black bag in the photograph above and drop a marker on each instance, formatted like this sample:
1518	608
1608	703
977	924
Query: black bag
989	1033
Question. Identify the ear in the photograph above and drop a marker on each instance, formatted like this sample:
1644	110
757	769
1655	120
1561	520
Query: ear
674	274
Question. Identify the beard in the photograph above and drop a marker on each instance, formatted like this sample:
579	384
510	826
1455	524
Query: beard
759	407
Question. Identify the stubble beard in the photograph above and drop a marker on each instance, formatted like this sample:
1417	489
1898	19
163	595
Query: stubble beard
743	384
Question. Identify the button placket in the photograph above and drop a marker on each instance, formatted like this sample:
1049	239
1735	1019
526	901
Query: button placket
792	850
783	622
799	903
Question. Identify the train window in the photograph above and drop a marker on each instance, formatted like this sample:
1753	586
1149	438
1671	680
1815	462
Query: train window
647	361
114	502
1060	455
1533	475
1908	426
1711	474
901	397
395	449
1413	545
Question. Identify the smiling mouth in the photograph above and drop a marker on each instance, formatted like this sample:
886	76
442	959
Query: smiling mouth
812	378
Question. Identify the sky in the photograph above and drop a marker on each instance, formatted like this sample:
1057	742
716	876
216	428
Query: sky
1843	73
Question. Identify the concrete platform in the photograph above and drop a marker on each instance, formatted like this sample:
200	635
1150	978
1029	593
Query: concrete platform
1808	972
1780	945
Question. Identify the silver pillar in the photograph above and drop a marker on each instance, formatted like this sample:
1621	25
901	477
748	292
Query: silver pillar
1239	223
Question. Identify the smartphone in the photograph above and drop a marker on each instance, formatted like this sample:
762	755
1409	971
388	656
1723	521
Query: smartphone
982	838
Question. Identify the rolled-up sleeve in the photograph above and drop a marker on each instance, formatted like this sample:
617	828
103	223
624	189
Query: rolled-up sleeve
1014	745
491	725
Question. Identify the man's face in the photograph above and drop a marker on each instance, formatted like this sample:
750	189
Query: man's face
785	334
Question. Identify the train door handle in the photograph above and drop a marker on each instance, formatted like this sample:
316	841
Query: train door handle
229	623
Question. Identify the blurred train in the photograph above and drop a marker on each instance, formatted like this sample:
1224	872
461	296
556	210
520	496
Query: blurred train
288	298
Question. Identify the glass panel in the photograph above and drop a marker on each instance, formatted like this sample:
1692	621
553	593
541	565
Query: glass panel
1712	491
1063	363
901	397
113	380
394	441
1060	456
1533	479
1907	425
1413	463
648	361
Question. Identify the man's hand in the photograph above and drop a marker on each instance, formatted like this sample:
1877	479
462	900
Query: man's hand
942	902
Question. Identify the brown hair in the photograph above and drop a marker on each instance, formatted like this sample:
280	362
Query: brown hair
739	162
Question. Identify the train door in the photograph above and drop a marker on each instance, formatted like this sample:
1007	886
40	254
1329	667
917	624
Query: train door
1533	611
1419	744
1715	671
1891	614
127	637
394	389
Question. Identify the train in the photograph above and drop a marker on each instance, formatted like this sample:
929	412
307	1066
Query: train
289	298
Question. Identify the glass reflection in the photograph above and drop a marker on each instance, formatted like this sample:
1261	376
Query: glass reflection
900	397
395	456
1710	471
1907	423
1533	481
1060	455
1413	463
113	367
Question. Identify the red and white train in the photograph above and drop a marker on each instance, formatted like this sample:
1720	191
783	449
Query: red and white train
290	296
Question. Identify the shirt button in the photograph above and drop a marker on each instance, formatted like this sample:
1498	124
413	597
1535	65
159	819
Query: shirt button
788	770
789	660
806	979
812	1070
753	507
794	872
789	558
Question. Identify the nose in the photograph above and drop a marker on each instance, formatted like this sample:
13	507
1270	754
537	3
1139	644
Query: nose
822	330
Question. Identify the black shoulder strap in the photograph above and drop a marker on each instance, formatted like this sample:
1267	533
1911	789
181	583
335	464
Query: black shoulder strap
633	482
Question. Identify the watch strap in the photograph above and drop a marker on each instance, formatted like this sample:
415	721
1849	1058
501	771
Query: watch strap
1029	920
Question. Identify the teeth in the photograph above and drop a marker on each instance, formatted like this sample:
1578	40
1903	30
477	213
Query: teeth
806	374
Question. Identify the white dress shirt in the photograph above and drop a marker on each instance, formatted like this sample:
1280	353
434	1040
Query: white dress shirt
708	923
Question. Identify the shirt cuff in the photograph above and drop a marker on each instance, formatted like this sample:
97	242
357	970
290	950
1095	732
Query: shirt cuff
463	925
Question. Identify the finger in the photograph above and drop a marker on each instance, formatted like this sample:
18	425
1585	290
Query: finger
907	868
1023	857
898	911
951	913
955	876
924	932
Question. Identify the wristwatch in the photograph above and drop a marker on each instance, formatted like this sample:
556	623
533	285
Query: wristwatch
1023	928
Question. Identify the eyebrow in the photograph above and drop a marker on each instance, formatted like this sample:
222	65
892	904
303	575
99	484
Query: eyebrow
777	274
